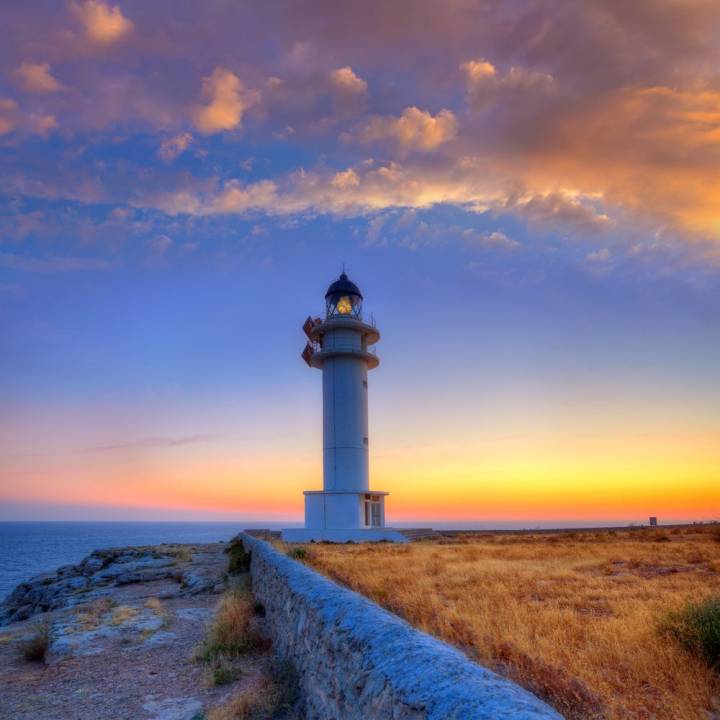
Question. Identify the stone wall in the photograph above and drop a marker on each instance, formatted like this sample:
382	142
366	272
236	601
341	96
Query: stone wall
357	661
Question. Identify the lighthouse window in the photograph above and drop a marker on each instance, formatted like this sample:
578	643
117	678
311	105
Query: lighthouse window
365	384
365	441
373	512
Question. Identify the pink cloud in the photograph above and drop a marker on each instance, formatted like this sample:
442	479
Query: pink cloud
415	129
228	100
37	78
9	115
103	24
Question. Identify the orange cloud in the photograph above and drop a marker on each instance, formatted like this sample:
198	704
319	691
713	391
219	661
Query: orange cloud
12	118
36	77
593	108
485	85
345	80
228	101
9	115
415	129
653	150
372	187
103	24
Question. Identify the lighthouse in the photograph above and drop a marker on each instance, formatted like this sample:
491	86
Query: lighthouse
341	346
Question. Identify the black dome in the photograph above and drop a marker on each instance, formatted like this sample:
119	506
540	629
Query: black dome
343	286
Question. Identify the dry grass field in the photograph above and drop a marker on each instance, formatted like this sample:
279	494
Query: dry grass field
574	617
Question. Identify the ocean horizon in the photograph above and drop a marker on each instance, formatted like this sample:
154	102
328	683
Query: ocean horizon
29	548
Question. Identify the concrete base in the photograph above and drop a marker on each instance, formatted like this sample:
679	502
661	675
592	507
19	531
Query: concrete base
306	535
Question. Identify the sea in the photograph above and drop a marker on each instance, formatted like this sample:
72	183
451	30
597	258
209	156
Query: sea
31	548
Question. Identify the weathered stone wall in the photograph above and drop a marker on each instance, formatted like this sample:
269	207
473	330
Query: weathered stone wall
359	662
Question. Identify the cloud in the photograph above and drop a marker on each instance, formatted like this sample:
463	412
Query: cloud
228	101
371	187
348	192
657	149
415	129
485	85
160	244
174	146
12	118
345	179
345	80
42	124
236	198
496	239
478	71
37	78
179	202
9	115
577	98
564	210
103	24
51	264
152	442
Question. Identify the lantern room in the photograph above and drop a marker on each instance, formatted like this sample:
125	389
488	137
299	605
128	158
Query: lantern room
343	299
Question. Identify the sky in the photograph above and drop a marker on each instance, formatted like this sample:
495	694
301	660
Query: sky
527	193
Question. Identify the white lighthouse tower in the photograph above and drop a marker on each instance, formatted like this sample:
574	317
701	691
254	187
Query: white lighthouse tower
346	509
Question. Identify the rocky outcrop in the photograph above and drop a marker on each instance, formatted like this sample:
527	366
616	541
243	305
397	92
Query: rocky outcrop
103	570
123	643
360	662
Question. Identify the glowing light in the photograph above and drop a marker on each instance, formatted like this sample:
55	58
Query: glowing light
344	306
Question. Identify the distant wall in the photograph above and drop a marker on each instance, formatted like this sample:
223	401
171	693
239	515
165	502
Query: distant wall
359	662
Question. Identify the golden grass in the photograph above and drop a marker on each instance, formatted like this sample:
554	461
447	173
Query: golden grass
181	553
90	615
232	632
156	605
574	617
123	614
260	702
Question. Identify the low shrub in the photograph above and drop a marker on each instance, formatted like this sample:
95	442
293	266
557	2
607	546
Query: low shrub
231	633
34	648
297	553
697	628
239	561
272	696
224	672
715	532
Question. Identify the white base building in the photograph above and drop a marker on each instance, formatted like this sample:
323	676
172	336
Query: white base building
340	516
346	509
